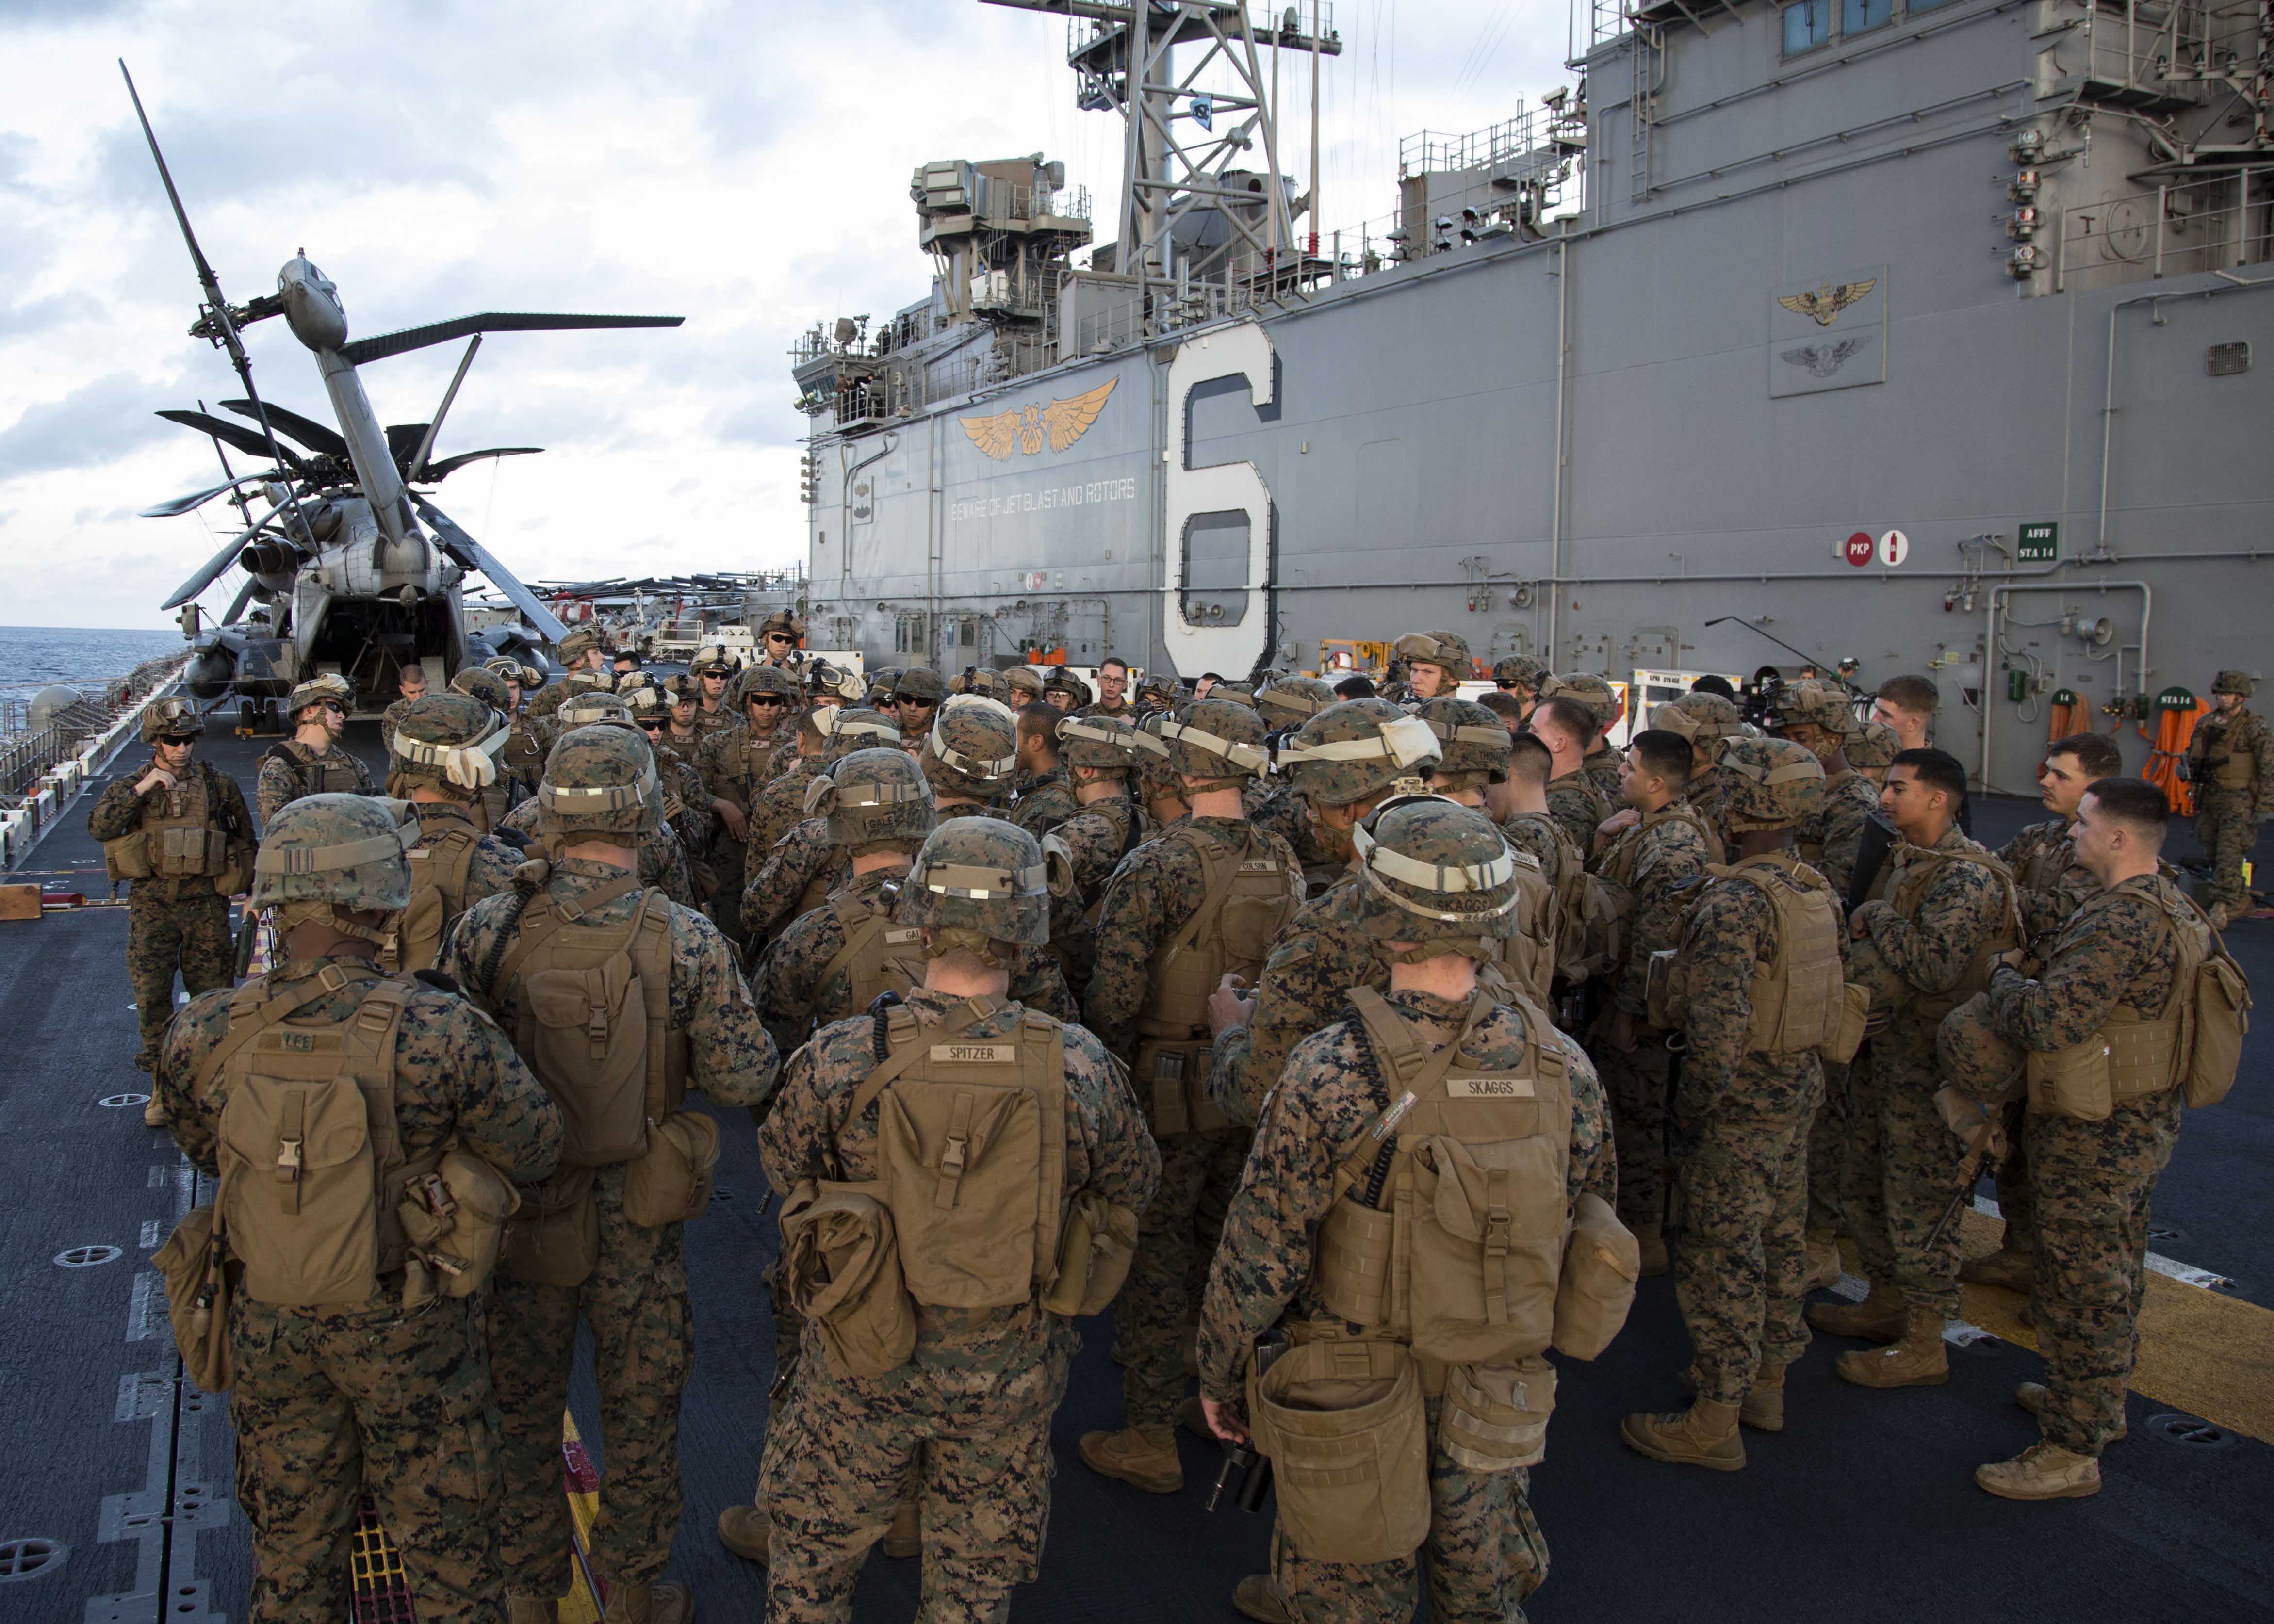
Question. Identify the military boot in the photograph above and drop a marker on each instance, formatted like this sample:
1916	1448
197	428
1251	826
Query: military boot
1193	1419
647	1603
2031	1396
2219	917
1878	1318
2016	1270
1824	1266
1651	1238
1144	1457
1917	1360
2042	1471
742	1530
905	1538
1763	1406
1257	1598
1705	1435
154	1114
532	1610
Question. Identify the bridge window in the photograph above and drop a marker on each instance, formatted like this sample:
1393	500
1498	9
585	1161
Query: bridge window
1859	16
1807	24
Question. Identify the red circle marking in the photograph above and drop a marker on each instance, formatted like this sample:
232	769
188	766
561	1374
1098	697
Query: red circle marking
1861	549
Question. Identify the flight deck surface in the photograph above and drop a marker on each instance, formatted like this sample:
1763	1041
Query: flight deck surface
1864	1507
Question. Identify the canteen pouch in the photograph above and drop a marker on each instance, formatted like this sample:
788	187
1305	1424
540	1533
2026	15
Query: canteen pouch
1348	1434
1848	1031
193	1263
235	874
184	851
1601	1262
1485	1242
1175	1079
1351	1270
589	1046
840	1271
555	1238
1494	1417
1666	990
2222	1017
671	1182
2074	1081
298	1190
455	1219
1096	1246
128	857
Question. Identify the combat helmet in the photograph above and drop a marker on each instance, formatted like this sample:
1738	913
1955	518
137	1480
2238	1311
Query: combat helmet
580	642
316	689
1158	690
1106	743
483	685
1220	742
172	718
972	750
1026	685
1437	874
713	659
1812	704
987	683
601	780
1769	784
920	683
1473	744
1599	698
1358	748
1520	669
1063	681
846	729
1873	748
1977	1057
1449	652
324	857
764	681
2234	682
879	691
447	742
837	682
1290	701
591	710
782	621
1704	720
873	797
977	881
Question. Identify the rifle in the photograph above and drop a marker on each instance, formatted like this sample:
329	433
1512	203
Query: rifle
1671	1130
1972	1121
1244	1461
1879	841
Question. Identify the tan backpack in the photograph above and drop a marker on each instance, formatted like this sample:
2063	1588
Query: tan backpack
878	955
1800	996
316	1198
1614	875
1251	895
1528	957
439	868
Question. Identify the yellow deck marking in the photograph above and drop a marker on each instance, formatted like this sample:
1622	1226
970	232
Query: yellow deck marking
579	1605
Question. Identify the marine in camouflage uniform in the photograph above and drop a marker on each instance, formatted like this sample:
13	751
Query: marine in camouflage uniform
737	764
1520	675
179	923
712	668
2230	763
635	1300
663	860
335	1401
1708	721
1820	716
803	865
1743	1113
302	766
1436	663
1578	806
964	1425
1484	1552
1154	894
1084	850
411	683
437	741
1903	1163
1039	802
1322	953
1601	766
582	651
2093	1181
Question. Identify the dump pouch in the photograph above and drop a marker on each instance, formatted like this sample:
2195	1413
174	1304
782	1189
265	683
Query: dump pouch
1096	1248
193	1264
1347	1432
840	1271
1848	1034
2222	1019
2074	1082
1601	1262
555	1240
1493	1418
670	1182
455	1218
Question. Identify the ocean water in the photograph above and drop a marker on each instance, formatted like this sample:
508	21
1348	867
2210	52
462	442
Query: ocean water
80	656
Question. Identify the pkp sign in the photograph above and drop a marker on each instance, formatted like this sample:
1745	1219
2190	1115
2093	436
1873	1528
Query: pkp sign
1862	550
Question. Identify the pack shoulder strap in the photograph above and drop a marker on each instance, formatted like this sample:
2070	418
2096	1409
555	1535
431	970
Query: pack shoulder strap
903	1055
862	925
648	948
250	1014
380	1016
1411	1067
1223	871
556	916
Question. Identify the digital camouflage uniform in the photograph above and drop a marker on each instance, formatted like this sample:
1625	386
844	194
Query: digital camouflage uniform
802	867
1041	801
171	924
333	770
1577	804
491	867
736	767
1094	840
635	1299
963	1427
1902	1161
340	1400
1541	836
2093	1181
1485	1553
662	859
2239	748
1661	860
391	718
1157	889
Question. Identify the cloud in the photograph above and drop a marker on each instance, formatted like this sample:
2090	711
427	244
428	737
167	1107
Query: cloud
91	425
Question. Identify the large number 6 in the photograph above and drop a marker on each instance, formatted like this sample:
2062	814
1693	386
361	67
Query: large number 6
1224	487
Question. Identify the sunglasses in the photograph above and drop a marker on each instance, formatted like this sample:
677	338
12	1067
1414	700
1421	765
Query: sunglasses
778	637
335	706
774	701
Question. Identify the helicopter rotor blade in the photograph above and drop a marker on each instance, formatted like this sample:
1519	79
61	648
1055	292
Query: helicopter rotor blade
403	441
243	596
198	498
473	555
449	465
228	433
319	439
210	571
384	344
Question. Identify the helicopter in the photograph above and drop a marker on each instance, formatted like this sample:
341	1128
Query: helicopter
351	568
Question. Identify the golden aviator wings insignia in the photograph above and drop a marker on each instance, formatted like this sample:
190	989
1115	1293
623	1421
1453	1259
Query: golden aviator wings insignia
1826	302
1023	429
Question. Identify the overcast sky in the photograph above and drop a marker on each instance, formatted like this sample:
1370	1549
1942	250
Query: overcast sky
745	166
